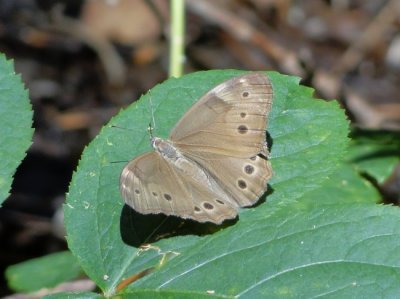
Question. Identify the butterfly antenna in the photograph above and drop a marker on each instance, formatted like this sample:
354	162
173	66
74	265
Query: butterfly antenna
152	111
150	130
152	123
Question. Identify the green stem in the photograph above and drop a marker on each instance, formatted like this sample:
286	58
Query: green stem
177	56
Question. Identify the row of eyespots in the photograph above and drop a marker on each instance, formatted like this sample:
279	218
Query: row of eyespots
242	129
166	195
249	169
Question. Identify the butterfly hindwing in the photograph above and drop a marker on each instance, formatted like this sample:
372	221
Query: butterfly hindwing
244	180
150	185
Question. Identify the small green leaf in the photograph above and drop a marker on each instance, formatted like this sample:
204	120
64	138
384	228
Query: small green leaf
15	124
375	153
309	140
172	294
73	295
44	272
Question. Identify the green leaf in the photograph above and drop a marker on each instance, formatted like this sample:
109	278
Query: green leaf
44	272
73	295
312	249
309	140
375	153
339	251
172	294
15	124
151	294
344	186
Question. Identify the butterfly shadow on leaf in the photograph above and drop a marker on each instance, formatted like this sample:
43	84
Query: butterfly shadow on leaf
137	229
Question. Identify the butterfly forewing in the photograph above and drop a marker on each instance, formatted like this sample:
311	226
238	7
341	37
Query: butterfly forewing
229	120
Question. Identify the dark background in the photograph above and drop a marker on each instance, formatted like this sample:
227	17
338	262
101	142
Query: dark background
82	61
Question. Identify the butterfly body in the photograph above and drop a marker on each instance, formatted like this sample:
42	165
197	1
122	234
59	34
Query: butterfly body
178	161
214	161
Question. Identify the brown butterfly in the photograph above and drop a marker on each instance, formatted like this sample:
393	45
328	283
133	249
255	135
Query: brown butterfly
215	160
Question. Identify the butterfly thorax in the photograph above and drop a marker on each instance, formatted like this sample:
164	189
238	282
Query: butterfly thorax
165	149
172	155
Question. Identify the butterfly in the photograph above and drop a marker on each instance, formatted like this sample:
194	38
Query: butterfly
215	159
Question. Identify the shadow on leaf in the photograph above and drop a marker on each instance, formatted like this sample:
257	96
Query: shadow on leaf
137	229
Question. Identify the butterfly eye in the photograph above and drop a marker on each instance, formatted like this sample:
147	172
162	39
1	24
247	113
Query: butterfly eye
243	114
208	206
245	94
242	129
242	184
249	169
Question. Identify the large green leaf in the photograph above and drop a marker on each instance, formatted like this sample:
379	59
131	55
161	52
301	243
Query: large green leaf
340	251
325	244
15	124
309	139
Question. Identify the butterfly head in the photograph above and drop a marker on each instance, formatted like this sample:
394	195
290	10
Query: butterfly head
155	142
